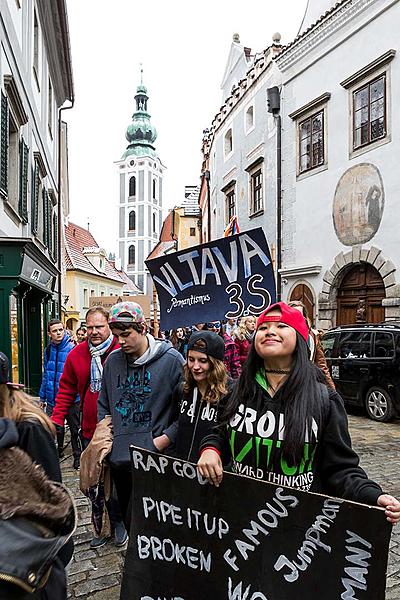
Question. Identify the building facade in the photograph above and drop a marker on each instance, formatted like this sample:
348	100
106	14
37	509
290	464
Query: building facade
240	147
35	81
88	274
181	227
340	143
140	172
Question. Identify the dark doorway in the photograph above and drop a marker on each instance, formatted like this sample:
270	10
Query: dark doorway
303	293
360	295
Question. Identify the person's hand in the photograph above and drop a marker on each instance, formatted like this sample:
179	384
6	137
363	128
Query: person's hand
161	442
392	506
210	466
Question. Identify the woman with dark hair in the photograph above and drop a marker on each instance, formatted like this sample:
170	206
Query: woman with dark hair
196	399
178	340
281	424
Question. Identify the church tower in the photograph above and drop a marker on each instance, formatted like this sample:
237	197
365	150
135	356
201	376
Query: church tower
140	174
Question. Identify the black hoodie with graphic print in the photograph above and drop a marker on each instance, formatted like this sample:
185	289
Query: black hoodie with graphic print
254	438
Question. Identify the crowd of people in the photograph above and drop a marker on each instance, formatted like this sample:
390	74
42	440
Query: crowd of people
185	393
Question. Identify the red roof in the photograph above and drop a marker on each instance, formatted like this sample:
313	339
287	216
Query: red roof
76	239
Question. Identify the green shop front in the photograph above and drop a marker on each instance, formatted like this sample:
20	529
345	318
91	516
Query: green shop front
27	302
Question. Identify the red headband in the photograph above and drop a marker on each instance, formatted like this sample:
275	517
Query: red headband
289	316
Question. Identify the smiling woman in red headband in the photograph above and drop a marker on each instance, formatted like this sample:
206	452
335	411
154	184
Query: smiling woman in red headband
282	424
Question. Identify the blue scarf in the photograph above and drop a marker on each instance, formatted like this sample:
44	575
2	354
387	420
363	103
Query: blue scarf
96	366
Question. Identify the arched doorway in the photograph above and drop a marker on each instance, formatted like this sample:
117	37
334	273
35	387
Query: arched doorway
360	295
303	293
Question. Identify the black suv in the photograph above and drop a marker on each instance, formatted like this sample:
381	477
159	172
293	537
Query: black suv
364	361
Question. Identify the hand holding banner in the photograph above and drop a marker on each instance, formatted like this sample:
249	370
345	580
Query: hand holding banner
247	539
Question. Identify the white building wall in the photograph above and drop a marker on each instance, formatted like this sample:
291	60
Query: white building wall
145	169
16	51
352	38
249	145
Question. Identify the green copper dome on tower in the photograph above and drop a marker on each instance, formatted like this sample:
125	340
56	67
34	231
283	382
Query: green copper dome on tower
141	134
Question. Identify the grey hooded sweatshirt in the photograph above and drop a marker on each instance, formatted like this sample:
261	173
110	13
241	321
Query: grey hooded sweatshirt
137	394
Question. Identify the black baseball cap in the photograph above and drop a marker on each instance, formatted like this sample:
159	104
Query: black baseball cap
207	342
5	372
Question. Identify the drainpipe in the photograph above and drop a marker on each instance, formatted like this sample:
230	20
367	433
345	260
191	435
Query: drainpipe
60	211
274	105
207	178
65	49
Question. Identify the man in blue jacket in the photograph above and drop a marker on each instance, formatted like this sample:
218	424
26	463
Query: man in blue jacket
54	359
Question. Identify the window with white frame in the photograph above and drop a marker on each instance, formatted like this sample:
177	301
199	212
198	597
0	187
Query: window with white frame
131	255
14	153
311	142
369	112
36	48
249	119
311	129
369	91
50	101
132	221
230	203
132	186
256	190
228	143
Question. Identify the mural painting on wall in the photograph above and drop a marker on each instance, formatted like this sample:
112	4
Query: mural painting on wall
358	204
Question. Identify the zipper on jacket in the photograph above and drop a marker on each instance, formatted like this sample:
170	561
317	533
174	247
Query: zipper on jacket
196	424
23	584
55	375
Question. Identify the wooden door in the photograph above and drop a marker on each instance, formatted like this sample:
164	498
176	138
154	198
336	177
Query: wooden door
303	293
360	295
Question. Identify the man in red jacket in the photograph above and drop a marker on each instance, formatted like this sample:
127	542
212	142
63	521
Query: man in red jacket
82	375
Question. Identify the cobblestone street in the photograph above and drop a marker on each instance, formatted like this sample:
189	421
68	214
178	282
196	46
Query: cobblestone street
96	574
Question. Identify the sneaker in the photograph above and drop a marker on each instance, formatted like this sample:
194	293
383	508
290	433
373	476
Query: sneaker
120	534
77	464
97	542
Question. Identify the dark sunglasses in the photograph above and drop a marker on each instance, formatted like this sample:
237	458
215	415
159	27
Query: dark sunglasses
215	325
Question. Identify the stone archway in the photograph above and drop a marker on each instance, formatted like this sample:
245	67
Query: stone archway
343	263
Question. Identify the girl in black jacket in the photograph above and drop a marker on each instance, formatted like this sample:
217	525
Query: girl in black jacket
282	425
195	400
29	428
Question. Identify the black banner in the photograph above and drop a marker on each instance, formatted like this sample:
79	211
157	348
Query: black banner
247	539
226	278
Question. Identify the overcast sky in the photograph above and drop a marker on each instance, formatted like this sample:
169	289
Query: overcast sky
184	47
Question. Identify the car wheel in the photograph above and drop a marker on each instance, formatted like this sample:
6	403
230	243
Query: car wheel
379	405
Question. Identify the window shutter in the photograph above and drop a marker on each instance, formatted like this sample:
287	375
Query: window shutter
4	136
46	228
35	198
50	226
55	236
23	180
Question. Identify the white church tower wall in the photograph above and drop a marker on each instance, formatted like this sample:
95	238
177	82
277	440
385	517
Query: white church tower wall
140	173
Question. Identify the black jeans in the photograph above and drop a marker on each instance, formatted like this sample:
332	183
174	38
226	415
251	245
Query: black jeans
73	420
122	479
